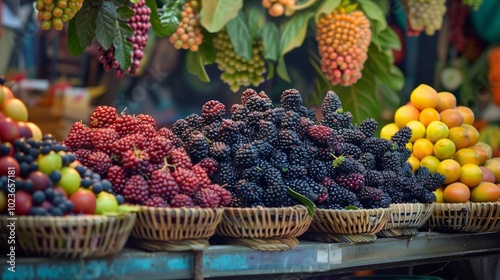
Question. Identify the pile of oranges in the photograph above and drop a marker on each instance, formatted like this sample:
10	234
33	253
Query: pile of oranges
445	141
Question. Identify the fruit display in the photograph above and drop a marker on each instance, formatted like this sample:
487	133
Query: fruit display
445	141
144	165
188	34
261	150
54	13
426	15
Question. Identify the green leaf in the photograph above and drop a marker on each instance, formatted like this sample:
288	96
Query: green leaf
206	49
380	63
389	96
123	48
105	23
256	15
195	66
351	207
375	14
270	40
293	31
238	32
216	13
270	71
326	8
167	23
120	3
281	70
85	23
389	39
73	43
304	200
124	13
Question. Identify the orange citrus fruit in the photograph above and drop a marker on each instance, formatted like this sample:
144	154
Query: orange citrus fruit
424	96
456	193
431	162
422	147
388	130
406	113
473	133
471	175
467	113
414	161
417	130
460	136
428	115
467	155
439	195
484	150
485	192
450	169
451	117
436	130
447	100
444	149
494	165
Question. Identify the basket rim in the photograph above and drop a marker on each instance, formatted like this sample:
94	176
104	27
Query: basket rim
353	210
260	208
68	217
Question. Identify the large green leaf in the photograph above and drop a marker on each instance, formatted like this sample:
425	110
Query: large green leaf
389	96
256	16
380	64
123	48
195	66
293	31
216	13
73	43
105	23
375	14
282	71
270	40
206	49
360	99
123	13
240	37
303	199
389	39
85	23
167	23
326	8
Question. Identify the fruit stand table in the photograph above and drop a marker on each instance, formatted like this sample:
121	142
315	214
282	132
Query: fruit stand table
308	258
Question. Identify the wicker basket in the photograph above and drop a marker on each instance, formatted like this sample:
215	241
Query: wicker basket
465	217
406	218
175	229
267	229
71	236
347	225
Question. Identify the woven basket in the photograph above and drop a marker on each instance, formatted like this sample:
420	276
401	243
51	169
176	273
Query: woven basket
406	218
71	236
267	229
465	217
347	225
175	229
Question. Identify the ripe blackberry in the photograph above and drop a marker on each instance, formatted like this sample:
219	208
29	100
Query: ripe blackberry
390	177
319	189
291	99
159	148
197	146
320	134
194	121
135	160
257	103
298	155
368	160
182	200
376	146
316	170
238	112
290	120
402	136
79	137
351	150
179	158
209	165
338	195
103	138
302	187
274	115
126	125
287	138
264	148
331	103
136	190
295	171
374	178
246	94
250	193
99	162
169	134
162	184
118	178
351	181
352	136
391	160
213	110
103	116
372	197
82	155
226	174
182	129
236	201
246	155
155	202
431	181
267	131
251	174
187	180
229	132
275	196
368	127
343	165
207	198
219	151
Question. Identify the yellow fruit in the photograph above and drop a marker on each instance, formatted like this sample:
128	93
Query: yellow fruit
439	193
388	130
409	146
451	117
404	114
456	193
414	161
473	133
460	136
471	175
467	155
424	96
444	149
446	101
467	114
485	192
422	147
431	162
417	130
494	165
450	169
428	115
15	109
484	150
436	130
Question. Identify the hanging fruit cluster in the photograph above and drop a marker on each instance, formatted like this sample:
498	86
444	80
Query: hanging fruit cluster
425	15
54	13
188	34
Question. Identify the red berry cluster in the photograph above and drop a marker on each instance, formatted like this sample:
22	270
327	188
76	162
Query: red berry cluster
143	164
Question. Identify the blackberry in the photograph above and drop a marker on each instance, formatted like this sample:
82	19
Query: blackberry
162	184
335	144
320	134
213	110
374	178
99	162
206	198
390	177
236	201
252	174
229	132
159	148
337	120
181	200
275	115
135	160
338	195
103	116
126	125
275	196
209	165
376	146
257	103
295	171
422	173
267	131
226	174
194	121
238	112
169	134
179	158
368	160
290	120
246	155
402	137
351	181
187	180
352	136
246	94
345	165
303	127
272	176
302	187
156	202
103	138
433	181
182	129
374	198
368	127
79	137
319	189
136	190
279	160
220	151
211	131
316	170
331	103
391	160
351	150
197	146
287	138
291	99
265	149
298	155
250	193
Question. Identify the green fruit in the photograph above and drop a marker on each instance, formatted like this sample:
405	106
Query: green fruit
49	163
70	180
106	203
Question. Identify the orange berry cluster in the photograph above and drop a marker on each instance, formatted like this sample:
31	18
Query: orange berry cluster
276	8
54	13
188	35
343	40
424	15
237	70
